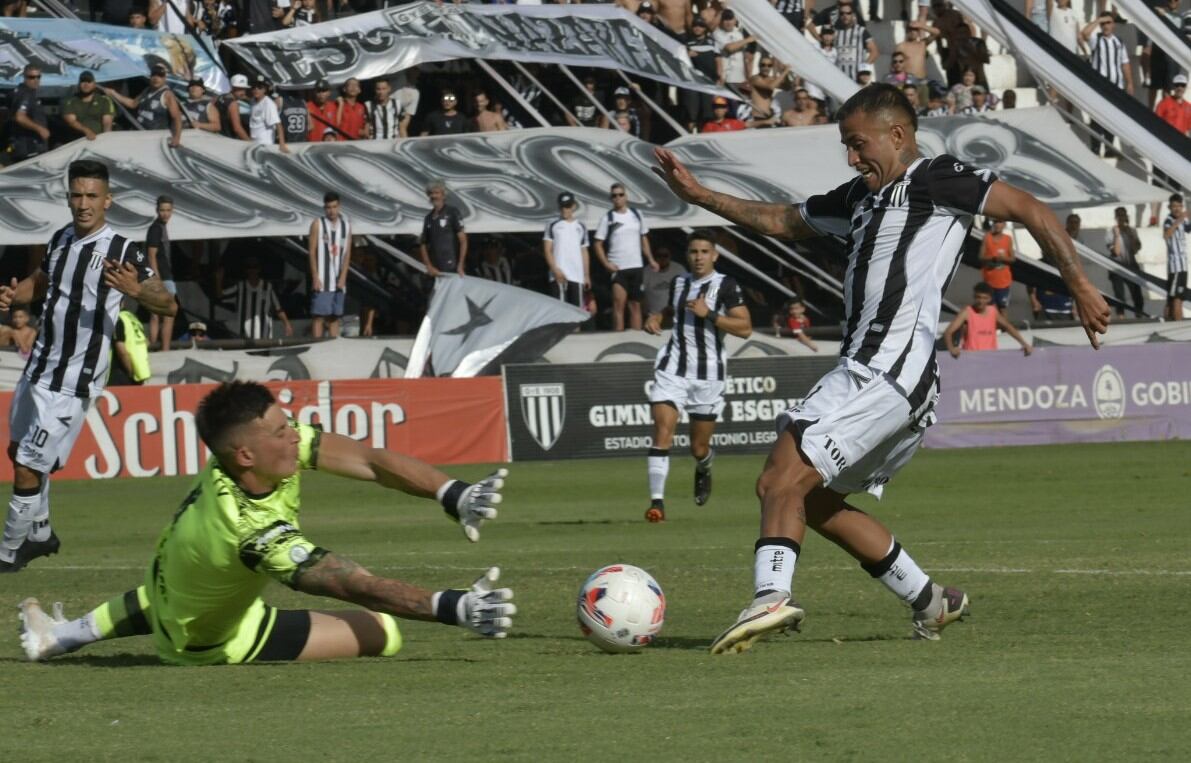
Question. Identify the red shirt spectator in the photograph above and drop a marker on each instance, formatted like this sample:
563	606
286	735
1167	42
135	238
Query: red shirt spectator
352	117
324	111
1174	109
722	122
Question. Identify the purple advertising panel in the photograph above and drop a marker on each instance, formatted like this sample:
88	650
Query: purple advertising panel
1068	394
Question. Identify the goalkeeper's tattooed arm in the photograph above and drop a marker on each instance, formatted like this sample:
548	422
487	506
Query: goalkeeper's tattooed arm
780	220
348	458
340	578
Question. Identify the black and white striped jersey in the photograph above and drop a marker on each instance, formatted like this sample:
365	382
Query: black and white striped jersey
73	349
905	243
333	238
1108	54
1176	244
852	46
696	347
255	308
384	119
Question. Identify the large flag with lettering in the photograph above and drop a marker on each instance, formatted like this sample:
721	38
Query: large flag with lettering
474	326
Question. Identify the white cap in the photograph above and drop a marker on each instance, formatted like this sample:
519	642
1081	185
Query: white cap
1179	79
866	67
239	80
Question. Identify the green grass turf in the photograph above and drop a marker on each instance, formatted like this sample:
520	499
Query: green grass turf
1078	647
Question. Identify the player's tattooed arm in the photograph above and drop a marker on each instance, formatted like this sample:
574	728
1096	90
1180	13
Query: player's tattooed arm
340	578
156	298
781	220
1004	202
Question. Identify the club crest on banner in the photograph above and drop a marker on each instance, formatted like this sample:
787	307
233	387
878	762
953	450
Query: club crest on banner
1108	390
543	409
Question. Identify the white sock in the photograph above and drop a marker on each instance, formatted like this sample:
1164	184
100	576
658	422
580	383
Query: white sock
21	509
76	634
900	574
773	565
659	468
41	520
704	464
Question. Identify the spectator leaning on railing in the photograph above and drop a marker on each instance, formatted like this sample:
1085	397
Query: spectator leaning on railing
156	107
981	321
87	111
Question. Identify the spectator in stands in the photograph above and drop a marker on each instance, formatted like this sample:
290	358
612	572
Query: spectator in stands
156	108
803	112
301	13
911	92
138	17
980	325
384	112
657	282
171	16
234	108
564	245
329	247
705	58
854	43
87	111
351	119
622	247
160	254
793	321
979	103
583	107
22	333
256	305
898	74
959	46
918	36
936	105
443	245
488	117
1038	11
709	11
217	18
622	104
1064	25
1009	99
324	110
676	16
1110	58
196	334
829	16
198	110
1176	112
1175	228
405	91
734	47
960	95
764	86
793	11
996	255
295	117
447	120
264	121
720	121
1123	244
1158	66
493	264
825	36
1052	305
29	134
864	76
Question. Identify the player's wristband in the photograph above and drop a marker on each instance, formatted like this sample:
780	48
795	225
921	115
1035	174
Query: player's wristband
713	316
446	606
450	494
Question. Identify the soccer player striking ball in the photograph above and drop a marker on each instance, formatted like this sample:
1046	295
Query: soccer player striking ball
690	369
905	219
238	528
87	270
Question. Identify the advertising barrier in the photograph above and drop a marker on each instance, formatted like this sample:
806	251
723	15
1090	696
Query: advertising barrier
1057	395
602	409
150	431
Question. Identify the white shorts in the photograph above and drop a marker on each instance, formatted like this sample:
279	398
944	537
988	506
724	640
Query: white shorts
854	426
700	398
44	425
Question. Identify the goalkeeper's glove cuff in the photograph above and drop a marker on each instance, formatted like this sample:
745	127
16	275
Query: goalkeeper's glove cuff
450	494
448	606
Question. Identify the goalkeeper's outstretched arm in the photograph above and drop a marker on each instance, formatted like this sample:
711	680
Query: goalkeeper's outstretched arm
469	504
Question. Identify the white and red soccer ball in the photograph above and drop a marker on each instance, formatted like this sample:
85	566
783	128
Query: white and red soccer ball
621	608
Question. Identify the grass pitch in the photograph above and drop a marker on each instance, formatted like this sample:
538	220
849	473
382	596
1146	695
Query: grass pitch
1078	649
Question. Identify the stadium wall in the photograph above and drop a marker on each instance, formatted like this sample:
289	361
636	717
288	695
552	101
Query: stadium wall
150	431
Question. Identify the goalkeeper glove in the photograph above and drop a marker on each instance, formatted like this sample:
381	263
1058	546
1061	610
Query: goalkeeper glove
481	609
470	505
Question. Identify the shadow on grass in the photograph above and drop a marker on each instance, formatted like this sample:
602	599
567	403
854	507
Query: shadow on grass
588	522
680	642
99	661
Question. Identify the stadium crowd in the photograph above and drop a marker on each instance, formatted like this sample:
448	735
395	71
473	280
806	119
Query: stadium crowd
457	97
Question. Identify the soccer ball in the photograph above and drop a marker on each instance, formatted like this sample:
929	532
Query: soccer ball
621	608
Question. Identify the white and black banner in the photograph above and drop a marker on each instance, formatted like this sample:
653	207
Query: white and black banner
509	181
385	42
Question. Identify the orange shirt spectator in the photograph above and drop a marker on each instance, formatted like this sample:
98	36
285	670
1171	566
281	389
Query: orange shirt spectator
995	256
352	118
324	111
1174	108
981	320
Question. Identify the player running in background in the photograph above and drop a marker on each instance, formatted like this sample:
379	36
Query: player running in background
238	528
690	369
905	219
86	272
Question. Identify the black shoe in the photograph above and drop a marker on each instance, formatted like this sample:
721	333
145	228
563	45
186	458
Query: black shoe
14	566
32	549
702	486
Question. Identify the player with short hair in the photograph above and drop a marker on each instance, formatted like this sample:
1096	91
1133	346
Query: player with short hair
691	367
1175	228
87	270
906	218
238	529
330	250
